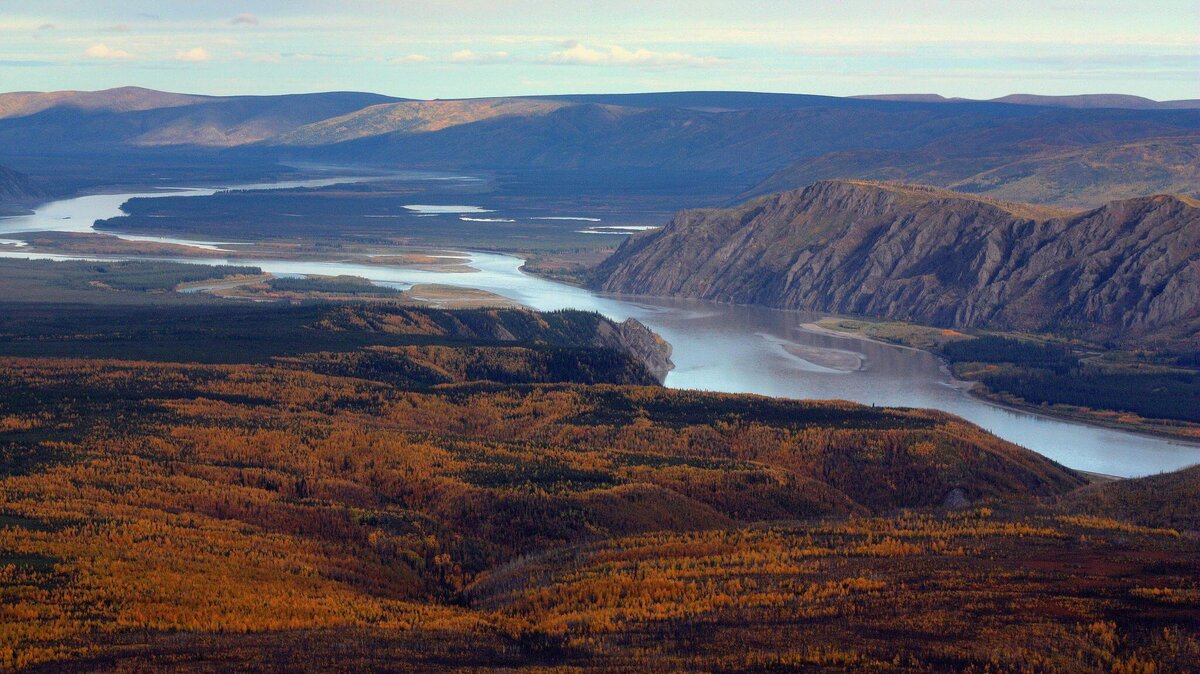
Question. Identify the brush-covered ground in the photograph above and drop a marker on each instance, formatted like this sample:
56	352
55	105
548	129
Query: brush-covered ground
368	487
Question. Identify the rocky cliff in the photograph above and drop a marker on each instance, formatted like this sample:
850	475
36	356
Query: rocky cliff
645	345
16	191
15	186
569	328
1129	270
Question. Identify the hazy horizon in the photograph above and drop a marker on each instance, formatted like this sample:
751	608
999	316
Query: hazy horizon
468	48
949	97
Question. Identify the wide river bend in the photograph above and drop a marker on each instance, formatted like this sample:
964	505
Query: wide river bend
717	347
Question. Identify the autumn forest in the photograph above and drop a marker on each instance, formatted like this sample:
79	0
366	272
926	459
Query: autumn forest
353	487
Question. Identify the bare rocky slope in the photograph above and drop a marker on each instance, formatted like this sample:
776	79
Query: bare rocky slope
633	337
1127	271
17	191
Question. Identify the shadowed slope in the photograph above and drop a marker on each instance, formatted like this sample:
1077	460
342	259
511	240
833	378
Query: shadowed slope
1170	500
1129	270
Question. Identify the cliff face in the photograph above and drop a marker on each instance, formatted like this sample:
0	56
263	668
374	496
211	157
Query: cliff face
15	186
570	328
17	192
645	345
1128	270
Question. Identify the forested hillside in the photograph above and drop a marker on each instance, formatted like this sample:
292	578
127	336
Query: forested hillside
332	509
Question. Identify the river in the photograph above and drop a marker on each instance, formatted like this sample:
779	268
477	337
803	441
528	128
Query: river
717	347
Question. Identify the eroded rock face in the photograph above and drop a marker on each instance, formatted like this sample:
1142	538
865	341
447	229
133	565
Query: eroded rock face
16	187
633	337
1129	270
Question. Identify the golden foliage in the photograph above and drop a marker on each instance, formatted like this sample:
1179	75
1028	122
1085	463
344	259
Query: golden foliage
255	508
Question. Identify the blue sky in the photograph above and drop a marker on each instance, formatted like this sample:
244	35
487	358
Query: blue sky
464	48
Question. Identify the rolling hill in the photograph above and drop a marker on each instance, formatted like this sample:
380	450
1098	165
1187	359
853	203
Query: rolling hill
1063	174
116	119
410	117
1078	101
1167	500
122	99
1099	101
1127	271
745	146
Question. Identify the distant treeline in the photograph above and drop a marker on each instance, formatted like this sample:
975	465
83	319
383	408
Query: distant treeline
1161	396
342	285
1050	374
139	275
162	275
991	349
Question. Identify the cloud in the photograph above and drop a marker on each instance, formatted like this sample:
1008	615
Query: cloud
193	55
118	28
47	26
577	53
411	58
244	20
468	56
103	51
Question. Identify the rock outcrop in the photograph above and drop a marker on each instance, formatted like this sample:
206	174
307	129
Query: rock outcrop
634	338
1127	271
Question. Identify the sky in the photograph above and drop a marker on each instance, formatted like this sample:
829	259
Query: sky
470	48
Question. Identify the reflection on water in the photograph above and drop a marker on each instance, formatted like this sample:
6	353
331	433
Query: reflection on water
736	349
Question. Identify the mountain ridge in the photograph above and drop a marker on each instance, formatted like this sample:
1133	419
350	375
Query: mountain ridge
1125	101
1125	271
735	143
119	119
119	99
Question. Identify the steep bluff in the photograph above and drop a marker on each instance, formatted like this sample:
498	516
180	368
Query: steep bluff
569	328
16	188
643	344
1129	270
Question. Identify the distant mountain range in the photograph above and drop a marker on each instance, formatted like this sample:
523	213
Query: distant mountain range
72	121
1063	172
1072	151
1080	101
124	99
1127	271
